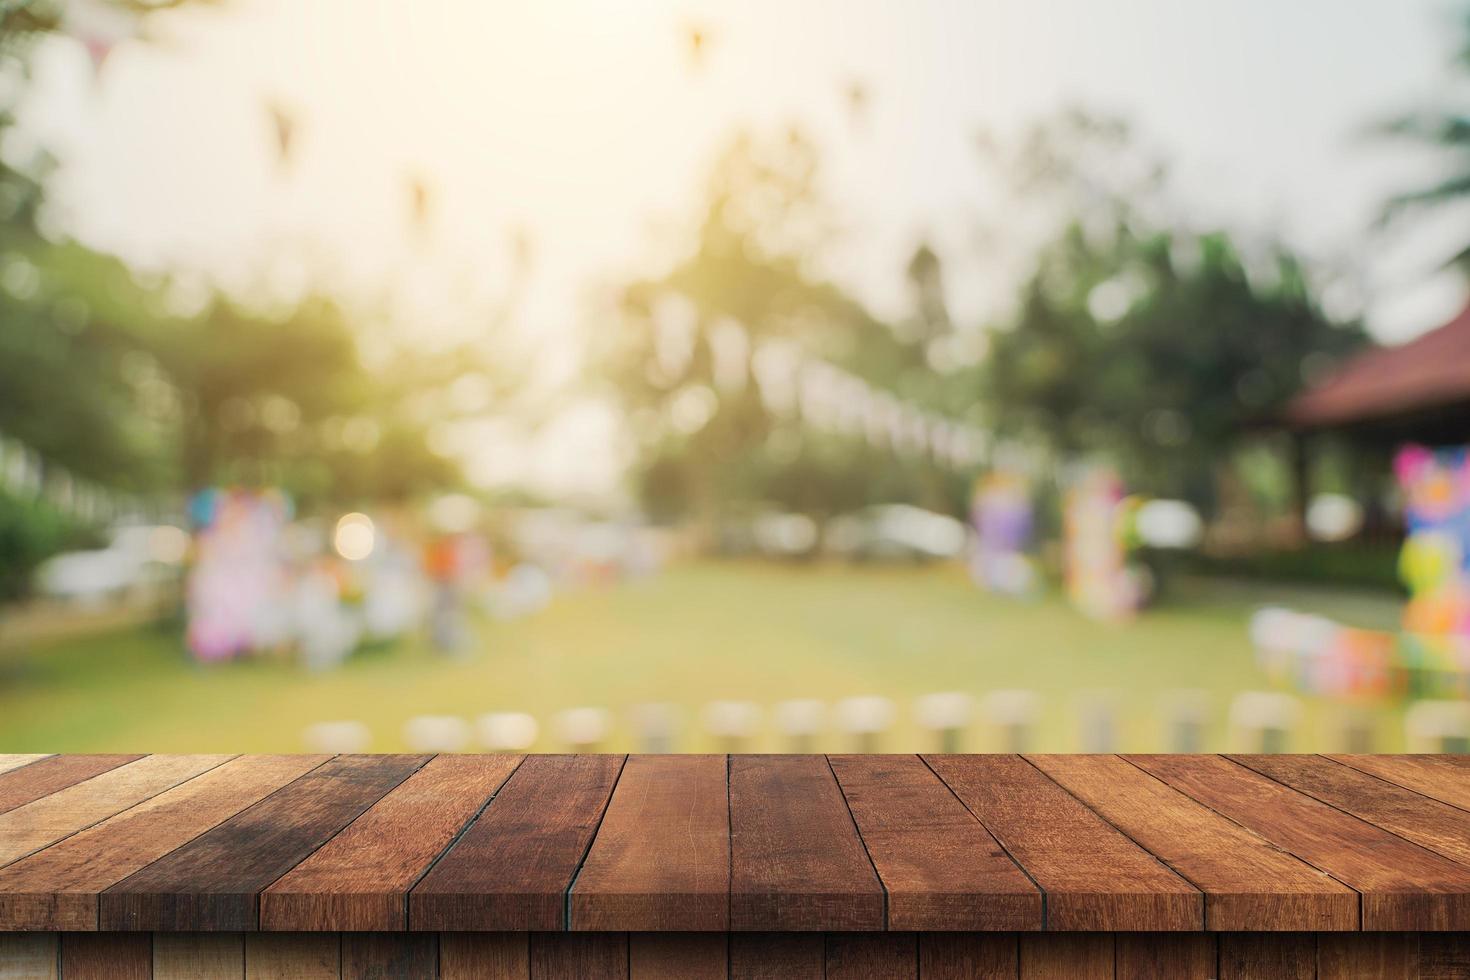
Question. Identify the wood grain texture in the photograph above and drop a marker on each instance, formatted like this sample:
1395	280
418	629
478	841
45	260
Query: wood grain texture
968	956
1278	956
941	868
58	888
484	955
1393	956
359	880
197	955
1248	883
45	776
1439	777
777	956
579	955
47	820
1066	956
872	956
1094	877
29	956
293	956
389	955
1159	956
1428	823
14	760
678	955
512	867
796	860
106	956
661	859
1403	885
214	881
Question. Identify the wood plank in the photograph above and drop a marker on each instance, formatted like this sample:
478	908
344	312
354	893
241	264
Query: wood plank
360	879
58	888
29	956
968	956
1439	777
214	881
45	776
796	860
293	956
47	820
1367	956
195	955
1428	823
872	956
1094	877
1166	956
777	956
389	955
678	955
1248	883
106	956
1279	956
579	955
484	956
661	859
1066	956
1403	885
942	869
14	760
512	867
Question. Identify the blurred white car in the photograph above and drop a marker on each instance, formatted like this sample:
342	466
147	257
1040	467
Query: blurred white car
896	531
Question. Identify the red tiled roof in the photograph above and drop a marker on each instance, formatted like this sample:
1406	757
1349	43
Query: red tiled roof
1426	372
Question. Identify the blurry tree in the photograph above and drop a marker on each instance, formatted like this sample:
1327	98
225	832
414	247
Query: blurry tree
1447	128
708	445
1140	339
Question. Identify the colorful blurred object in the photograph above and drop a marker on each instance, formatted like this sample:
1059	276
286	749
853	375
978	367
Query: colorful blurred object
235	586
1003	519
1099	580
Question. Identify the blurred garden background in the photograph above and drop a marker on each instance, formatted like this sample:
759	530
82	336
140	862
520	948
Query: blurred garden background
457	376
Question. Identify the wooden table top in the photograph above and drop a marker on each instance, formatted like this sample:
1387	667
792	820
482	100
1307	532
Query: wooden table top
744	842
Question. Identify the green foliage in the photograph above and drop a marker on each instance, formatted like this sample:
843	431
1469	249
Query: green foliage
29	533
1155	346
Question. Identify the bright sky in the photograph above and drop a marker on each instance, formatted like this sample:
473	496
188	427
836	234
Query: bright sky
584	124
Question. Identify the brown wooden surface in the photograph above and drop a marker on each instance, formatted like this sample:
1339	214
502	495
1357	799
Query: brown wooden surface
13	760
1438	777
872	956
777	956
359	880
678	955
779	844
1279	956
107	955
707	956
1152	956
484	955
940	867
1094	877
968	956
214	881
1248	883
58	888
389	955
1427	822
579	955
796	859
1403	885
47	820
511	869
676	876
43	777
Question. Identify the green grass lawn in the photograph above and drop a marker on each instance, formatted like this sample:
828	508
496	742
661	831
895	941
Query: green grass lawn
698	632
